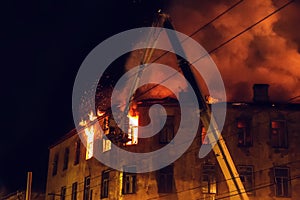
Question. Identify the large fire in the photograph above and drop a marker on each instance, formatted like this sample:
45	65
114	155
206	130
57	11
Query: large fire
89	133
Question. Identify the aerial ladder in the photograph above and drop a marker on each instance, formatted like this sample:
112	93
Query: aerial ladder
224	159
220	150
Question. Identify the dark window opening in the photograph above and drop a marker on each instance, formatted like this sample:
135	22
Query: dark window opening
66	158
77	152
165	180
55	164
74	191
167	132
105	184
209	185
278	134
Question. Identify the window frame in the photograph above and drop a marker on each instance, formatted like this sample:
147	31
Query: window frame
245	137
129	186
284	183
77	152
281	132
209	171
245	175
74	191
86	188
66	158
55	164
105	184
63	192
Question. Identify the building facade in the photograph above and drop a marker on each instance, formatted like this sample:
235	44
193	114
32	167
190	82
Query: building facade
263	140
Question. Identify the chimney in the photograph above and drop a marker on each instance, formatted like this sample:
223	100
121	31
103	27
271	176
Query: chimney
260	93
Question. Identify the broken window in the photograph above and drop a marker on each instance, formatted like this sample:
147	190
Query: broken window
167	132
55	164
209	184
247	178
74	191
165	180
129	181
244	134
66	158
87	185
278	134
282	184
63	193
105	184
77	152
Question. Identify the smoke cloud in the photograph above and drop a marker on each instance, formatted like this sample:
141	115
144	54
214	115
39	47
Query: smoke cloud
268	53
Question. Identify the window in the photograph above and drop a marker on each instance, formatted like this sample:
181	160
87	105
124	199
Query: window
55	163
282	185
246	176
244	134
167	133
77	152
89	132
63	193
106	144
74	191
87	184
66	158
278	134
104	184
209	185
133	130
129	181
165	180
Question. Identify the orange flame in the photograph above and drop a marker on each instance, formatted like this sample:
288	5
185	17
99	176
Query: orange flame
83	123
211	100
92	117
100	113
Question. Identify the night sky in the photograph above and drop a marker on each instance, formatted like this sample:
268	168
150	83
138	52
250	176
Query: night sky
43	44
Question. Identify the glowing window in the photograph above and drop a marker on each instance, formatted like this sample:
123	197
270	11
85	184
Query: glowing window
89	132
244	133
133	130
278	134
106	144
209	184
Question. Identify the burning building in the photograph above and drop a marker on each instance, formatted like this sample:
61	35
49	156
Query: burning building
262	138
